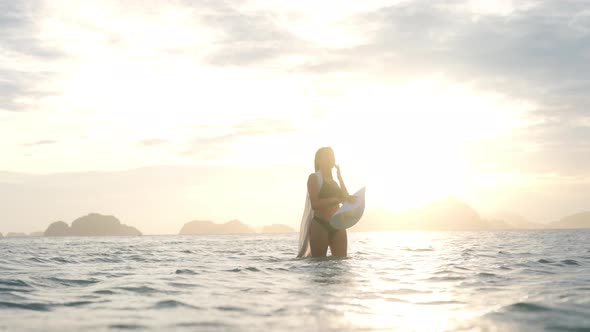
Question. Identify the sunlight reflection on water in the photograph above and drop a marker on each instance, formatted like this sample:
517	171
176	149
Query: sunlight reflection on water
418	281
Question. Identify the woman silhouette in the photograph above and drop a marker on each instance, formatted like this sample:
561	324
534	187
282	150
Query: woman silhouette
325	196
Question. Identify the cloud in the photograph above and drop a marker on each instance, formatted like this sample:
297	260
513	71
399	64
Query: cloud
556	147
247	37
20	48
537	45
19	30
19	90
40	142
538	53
219	144
149	142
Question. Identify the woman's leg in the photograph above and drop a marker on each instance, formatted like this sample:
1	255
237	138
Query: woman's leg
339	243
318	240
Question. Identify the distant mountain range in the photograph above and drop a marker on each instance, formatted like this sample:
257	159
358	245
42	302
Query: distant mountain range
448	214
515	221
454	214
93	224
197	227
445	215
578	220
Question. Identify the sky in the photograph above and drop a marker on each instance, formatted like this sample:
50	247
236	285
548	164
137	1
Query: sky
161	112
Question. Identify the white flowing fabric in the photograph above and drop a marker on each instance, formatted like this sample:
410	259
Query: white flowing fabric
304	247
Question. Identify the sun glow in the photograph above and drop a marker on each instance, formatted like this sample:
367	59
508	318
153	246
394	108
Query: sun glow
414	143
136	77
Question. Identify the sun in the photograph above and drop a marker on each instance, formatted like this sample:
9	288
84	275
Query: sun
415	143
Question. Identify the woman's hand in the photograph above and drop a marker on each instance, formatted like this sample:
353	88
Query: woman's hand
347	198
351	199
338	173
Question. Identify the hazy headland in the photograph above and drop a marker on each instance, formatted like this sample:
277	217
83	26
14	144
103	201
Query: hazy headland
444	215
93	224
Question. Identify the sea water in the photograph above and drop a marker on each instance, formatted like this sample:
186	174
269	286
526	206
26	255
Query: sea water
407	281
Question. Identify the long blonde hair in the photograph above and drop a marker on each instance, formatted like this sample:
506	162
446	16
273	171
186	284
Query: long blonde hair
319	155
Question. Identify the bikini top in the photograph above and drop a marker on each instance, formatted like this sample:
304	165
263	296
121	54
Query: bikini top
330	189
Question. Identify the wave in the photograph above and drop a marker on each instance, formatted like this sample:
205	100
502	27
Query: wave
183	285
38	260
405	291
527	307
418	249
77	303
127	326
250	268
26	306
14	283
73	282
446	278
170	304
230	308
570	262
196	286
439	302
104	260
141	289
13	290
486	275
216	325
63	260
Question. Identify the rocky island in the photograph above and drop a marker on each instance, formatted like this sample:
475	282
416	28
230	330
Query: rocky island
578	220
197	227
448	214
93	224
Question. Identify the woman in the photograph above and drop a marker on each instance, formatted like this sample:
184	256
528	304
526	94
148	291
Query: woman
325	196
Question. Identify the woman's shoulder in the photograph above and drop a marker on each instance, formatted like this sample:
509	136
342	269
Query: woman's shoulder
316	177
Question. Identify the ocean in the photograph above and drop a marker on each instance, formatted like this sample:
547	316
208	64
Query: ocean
406	281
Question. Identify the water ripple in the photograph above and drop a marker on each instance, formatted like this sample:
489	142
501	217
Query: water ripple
14	283
185	271
569	262
526	306
171	304
72	282
502	281
127	327
26	306
140	289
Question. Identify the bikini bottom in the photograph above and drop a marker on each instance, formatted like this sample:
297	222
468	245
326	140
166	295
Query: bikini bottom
326	225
